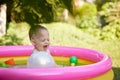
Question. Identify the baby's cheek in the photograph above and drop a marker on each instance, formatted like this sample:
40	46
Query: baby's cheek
38	46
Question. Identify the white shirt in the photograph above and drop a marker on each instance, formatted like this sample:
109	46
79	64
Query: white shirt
41	59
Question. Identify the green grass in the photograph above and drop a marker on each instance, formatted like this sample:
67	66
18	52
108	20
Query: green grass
63	34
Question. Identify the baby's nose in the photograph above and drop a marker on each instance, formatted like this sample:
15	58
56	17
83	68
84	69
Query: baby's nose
46	41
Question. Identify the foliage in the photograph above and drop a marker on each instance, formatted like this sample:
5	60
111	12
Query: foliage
29	11
87	19
111	11
100	3
111	31
86	22
10	40
68	5
87	9
116	73
112	18
19	31
17	34
89	25
2	2
36	11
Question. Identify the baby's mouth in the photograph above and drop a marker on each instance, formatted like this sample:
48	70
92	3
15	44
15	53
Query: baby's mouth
45	47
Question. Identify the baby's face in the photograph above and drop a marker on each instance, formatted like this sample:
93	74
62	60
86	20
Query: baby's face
41	41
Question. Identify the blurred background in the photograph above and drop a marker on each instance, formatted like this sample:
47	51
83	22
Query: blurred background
93	24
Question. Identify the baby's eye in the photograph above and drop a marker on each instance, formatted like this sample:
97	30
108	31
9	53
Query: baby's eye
48	39
43	40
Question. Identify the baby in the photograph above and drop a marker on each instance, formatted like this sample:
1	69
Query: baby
40	57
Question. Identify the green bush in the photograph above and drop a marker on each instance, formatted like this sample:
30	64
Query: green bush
111	31
10	40
86	10
89	25
107	11
17	34
37	11
87	20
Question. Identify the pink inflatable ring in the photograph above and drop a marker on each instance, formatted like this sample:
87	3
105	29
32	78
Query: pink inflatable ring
100	70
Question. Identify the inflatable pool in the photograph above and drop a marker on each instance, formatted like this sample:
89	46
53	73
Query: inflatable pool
95	65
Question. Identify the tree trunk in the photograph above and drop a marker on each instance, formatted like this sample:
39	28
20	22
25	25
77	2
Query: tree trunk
2	19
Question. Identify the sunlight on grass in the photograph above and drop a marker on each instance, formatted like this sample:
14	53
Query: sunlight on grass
20	30
68	35
63	34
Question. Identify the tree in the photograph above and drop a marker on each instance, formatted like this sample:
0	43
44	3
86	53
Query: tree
2	18
34	11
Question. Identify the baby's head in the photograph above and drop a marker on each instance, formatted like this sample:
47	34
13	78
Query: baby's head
39	37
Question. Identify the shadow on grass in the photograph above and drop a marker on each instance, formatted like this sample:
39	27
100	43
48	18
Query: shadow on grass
116	73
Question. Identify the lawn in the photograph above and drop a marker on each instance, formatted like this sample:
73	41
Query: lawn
68	35
63	34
